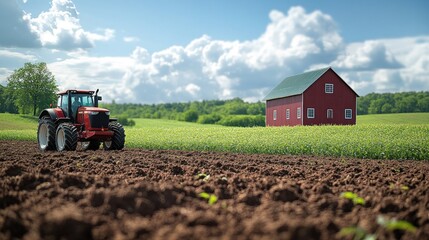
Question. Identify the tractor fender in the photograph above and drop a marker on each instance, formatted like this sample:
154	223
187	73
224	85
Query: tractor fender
48	112
113	119
56	115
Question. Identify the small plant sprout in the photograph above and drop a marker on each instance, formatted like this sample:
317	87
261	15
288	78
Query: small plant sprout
354	197
393	224
211	198
357	232
203	176
400	186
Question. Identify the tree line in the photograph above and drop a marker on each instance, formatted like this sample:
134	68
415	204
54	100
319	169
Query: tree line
233	112
402	102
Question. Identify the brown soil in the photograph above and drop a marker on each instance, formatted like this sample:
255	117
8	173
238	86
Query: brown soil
148	194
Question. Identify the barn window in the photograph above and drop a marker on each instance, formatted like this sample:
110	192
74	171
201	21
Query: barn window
329	113
275	115
348	114
329	88
298	113
310	113
287	113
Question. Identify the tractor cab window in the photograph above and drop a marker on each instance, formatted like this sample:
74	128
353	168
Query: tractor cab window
84	100
81	100
63	103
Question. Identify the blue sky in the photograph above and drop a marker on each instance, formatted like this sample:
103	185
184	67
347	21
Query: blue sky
170	51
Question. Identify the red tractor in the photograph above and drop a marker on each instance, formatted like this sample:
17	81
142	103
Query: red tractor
77	118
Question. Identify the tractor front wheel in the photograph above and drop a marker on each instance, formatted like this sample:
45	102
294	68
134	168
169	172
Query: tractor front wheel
118	139
66	137
46	134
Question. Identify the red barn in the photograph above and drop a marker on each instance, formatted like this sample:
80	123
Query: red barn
311	98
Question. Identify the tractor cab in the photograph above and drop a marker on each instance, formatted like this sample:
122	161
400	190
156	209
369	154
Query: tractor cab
71	100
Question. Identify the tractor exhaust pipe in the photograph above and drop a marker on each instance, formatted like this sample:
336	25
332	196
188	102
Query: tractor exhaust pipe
96	98
69	104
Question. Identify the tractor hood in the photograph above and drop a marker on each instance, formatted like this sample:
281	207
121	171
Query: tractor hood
93	109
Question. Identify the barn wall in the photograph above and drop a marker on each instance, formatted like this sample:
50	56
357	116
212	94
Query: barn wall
342	98
281	105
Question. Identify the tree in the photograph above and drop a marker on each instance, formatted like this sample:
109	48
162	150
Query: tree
191	116
386	108
375	106
7	101
2	99
33	87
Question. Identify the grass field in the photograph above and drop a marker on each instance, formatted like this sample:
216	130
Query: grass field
391	136
394	118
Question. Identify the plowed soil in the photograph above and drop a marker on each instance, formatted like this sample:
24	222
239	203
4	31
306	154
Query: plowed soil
148	194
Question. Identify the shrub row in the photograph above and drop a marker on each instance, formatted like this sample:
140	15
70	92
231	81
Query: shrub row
233	120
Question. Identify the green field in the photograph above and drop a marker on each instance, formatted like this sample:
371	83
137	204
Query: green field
394	118
390	136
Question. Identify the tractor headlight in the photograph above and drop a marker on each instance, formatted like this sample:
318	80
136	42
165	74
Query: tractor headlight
107	113
93	113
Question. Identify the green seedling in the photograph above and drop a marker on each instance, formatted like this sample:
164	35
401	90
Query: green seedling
402	187
393	224
203	176
211	198
357	232
354	197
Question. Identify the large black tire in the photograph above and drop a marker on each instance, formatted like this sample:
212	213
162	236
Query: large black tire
46	134
66	137
92	145
118	139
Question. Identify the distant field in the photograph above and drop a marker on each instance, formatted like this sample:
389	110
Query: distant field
18	127
17	122
163	123
375	136
394	118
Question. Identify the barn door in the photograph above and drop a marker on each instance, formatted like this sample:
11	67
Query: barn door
330	116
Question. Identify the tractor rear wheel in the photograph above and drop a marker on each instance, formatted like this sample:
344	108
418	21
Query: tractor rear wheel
66	137
46	134
92	145
118	138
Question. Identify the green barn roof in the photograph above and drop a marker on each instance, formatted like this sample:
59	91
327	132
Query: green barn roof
295	85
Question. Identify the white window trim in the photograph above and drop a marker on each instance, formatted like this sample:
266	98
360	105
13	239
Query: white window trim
308	111
327	113
274	115
288	113
345	113
332	87
298	113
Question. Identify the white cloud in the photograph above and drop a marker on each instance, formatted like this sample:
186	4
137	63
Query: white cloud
131	39
192	89
386	65
15	27
207	68
368	55
85	72
11	54
57	28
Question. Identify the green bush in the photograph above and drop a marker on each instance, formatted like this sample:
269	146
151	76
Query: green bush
125	121
243	121
191	116
209	118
